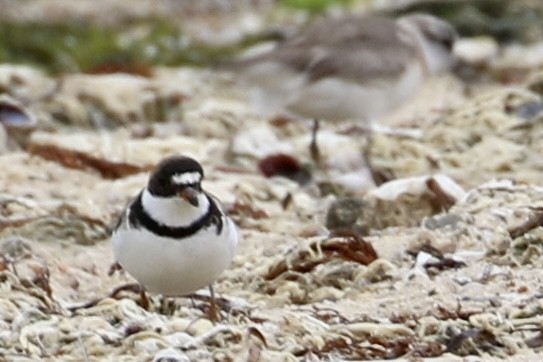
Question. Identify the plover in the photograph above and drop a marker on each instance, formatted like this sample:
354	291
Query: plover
355	67
173	237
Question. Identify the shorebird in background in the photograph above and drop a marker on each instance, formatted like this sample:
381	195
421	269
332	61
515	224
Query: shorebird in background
356	67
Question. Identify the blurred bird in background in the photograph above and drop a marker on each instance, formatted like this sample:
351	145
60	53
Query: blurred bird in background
356	67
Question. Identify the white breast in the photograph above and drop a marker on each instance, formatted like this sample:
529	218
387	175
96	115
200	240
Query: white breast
339	99
175	267
173	211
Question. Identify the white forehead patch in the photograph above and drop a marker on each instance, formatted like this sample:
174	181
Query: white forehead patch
186	178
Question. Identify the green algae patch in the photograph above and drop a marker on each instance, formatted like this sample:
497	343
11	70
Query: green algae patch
71	47
313	6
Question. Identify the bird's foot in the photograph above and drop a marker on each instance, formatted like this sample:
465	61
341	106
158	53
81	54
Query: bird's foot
214	306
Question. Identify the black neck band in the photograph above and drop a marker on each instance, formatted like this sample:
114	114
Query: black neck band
138	218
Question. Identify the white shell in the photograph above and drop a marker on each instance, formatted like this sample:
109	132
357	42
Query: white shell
417	186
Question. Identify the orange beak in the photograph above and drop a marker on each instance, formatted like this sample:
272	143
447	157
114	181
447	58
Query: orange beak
190	195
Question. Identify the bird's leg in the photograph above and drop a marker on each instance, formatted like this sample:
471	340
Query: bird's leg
144	300
366	151
213	313
313	146
167	305
378	177
213	305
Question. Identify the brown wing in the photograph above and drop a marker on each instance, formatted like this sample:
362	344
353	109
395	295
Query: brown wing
359	48
363	65
371	30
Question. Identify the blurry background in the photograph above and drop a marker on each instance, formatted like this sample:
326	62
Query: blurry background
107	35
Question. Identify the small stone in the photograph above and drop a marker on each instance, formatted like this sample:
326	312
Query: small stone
343	213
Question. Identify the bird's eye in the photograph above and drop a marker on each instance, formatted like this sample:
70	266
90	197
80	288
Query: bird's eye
447	43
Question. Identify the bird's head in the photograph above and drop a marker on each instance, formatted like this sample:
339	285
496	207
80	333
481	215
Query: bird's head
177	176
435	39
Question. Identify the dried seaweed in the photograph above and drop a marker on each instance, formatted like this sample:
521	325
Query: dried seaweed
242	209
285	166
534	221
35	282
473	341
378	347
351	248
444	263
15	223
460	333
442	198
444	314
121	66
82	161
62	223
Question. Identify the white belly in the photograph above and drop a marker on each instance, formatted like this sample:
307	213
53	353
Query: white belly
338	99
175	267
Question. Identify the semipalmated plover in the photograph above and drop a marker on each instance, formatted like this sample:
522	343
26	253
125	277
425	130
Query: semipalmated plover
173	237
357	67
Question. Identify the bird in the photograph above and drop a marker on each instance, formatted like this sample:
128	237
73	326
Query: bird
356	67
174	238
